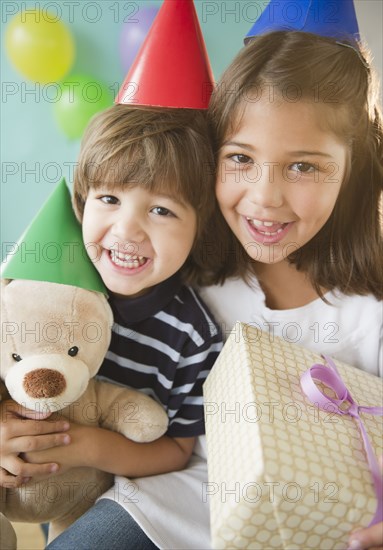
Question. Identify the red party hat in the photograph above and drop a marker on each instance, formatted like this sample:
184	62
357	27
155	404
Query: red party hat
172	68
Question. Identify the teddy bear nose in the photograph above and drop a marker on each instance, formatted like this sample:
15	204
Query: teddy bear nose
44	383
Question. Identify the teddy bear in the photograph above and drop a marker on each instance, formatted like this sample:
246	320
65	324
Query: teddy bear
54	338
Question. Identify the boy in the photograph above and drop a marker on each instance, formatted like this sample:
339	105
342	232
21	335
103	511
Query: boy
144	192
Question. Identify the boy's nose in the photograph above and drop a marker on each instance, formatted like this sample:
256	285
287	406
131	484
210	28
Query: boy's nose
128	229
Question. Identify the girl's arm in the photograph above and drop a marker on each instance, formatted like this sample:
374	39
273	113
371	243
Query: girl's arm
24	430
112	452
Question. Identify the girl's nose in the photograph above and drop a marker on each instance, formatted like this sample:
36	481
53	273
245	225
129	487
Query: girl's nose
265	185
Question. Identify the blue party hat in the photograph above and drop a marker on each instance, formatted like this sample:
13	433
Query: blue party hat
322	17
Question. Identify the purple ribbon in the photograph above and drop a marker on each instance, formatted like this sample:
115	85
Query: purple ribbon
331	377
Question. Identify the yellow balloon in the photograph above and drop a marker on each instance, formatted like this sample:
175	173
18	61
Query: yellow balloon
39	46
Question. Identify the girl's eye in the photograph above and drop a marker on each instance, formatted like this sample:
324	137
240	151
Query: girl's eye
162	211
303	167
240	159
109	199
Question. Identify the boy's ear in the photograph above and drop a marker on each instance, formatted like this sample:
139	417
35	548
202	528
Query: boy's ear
78	204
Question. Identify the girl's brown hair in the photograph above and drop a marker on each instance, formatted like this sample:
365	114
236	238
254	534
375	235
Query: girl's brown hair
162	150
347	252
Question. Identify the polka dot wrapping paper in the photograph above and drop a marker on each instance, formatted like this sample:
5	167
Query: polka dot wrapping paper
282	472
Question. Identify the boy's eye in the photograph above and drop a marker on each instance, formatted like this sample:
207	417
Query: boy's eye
162	211
303	167
109	199
240	159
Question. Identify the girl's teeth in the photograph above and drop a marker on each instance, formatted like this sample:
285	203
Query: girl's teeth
268	232
259	224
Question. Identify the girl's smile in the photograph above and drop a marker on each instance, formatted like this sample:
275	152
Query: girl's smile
266	231
279	176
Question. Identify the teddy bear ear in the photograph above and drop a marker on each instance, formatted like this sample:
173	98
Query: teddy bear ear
108	309
4	283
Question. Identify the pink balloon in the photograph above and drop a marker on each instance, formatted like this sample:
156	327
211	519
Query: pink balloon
133	35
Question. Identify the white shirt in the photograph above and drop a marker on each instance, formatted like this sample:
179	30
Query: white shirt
350	329
172	508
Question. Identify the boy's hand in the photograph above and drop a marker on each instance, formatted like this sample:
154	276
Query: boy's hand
70	456
24	430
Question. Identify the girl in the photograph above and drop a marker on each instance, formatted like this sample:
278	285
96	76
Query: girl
298	140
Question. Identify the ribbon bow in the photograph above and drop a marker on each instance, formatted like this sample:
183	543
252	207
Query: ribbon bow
331	377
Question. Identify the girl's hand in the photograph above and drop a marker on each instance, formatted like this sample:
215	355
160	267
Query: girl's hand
23	430
370	538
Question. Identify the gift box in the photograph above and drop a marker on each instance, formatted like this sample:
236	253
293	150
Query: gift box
282	472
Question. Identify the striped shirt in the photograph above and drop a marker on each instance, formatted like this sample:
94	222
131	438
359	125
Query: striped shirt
164	344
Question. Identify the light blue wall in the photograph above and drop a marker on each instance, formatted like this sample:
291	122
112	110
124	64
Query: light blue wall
35	153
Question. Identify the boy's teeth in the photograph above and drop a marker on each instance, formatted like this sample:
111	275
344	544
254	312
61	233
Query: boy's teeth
127	260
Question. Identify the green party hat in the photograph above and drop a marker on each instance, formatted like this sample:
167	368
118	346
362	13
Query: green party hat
52	250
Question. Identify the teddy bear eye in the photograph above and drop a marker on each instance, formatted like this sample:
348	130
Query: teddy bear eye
16	357
73	351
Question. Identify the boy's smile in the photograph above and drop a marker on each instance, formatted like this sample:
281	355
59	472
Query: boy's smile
130	261
279	176
136	238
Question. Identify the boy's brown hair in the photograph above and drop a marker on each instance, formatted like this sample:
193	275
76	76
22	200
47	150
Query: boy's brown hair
162	150
347	252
